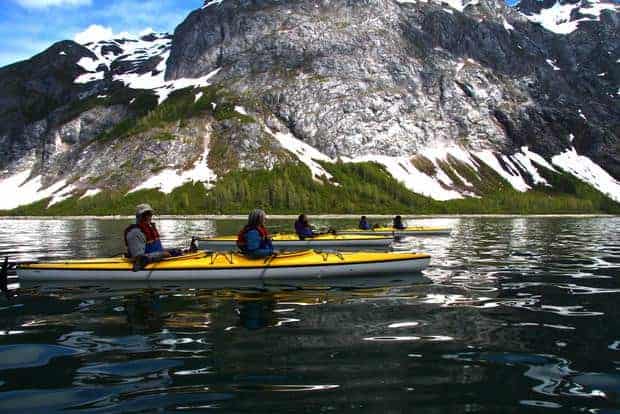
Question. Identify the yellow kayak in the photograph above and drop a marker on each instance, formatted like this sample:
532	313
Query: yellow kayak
407	231
292	241
227	266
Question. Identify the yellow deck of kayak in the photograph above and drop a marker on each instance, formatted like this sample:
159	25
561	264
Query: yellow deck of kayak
293	237
204	260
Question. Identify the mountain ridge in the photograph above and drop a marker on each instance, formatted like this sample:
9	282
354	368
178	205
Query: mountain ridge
299	83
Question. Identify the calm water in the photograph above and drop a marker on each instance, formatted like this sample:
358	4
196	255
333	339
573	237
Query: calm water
514	315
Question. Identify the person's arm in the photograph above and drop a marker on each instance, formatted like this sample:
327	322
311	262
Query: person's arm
308	232
136	243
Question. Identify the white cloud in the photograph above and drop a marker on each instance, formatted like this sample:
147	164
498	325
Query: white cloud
95	33
146	31
43	4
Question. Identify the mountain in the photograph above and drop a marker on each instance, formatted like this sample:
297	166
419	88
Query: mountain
454	100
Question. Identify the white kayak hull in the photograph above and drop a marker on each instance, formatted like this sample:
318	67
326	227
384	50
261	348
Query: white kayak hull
402	279
264	273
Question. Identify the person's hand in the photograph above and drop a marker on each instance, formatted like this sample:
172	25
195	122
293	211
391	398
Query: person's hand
166	254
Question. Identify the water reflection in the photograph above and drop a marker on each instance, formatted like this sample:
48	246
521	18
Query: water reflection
514	315
143	310
258	312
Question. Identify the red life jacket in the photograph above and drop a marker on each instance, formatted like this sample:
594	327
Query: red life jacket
151	234
242	242
150	231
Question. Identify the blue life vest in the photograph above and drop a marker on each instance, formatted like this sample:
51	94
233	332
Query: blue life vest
153	247
265	241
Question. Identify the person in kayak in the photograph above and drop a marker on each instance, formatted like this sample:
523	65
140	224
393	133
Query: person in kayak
254	240
398	223
142	239
364	224
303	228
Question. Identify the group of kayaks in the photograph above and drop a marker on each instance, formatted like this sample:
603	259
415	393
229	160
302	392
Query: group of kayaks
216	259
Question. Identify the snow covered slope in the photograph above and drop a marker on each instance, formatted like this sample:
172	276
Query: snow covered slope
139	63
565	16
437	177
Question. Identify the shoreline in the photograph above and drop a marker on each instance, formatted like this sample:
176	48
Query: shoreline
314	216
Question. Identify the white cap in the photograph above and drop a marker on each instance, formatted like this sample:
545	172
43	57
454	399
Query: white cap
143	208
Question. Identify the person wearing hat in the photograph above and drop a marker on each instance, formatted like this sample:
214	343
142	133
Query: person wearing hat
142	238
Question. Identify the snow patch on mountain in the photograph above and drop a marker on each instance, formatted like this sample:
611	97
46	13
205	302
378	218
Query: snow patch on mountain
91	193
169	179
513	177
62	195
585	169
25	190
560	17
526	160
137	52
507	25
307	154
212	3
123	50
517	169
403	170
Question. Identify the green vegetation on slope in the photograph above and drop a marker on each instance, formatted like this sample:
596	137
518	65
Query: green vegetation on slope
180	105
363	188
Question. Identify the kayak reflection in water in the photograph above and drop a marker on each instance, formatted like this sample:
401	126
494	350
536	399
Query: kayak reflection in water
144	313
364	225
142	239
254	239
303	228
256	313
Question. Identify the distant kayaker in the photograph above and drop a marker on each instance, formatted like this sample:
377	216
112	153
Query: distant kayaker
254	239
303	228
142	239
364	224
398	223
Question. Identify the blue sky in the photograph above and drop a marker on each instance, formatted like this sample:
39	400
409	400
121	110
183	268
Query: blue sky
30	26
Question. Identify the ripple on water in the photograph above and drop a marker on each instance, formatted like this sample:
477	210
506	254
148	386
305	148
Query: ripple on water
32	355
134	368
39	401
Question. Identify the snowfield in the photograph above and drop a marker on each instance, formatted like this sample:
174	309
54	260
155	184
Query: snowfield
517	169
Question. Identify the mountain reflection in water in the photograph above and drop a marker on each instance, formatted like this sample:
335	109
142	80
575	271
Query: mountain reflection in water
514	315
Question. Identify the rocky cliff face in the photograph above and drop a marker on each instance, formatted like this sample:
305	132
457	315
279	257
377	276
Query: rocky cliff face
323	80
392	77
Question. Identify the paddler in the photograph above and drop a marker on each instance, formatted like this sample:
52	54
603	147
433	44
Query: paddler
303	228
364	224
142	239
398	223
254	239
